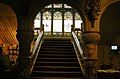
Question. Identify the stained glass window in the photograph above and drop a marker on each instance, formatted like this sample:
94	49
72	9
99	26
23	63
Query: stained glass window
57	11
49	6
37	21
66	6
38	16
78	21
47	21
57	22
68	21
57	5
57	16
77	16
47	15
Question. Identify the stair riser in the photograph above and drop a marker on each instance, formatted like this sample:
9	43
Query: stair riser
55	56
44	74
56	69
56	64
55	49
57	60
57	52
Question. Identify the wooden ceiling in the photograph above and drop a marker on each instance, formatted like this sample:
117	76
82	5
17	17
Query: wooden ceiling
8	25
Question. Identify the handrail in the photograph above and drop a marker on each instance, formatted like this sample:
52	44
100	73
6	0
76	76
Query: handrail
26	73
79	51
36	43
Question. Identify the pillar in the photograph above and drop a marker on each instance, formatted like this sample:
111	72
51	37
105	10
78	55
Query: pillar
24	37
91	39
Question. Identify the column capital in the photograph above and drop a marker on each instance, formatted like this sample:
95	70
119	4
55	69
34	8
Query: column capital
91	37
92	8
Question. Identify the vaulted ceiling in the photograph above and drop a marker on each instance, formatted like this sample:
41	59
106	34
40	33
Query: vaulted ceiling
8	25
109	23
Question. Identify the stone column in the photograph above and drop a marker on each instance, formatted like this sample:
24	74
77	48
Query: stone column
91	39
24	37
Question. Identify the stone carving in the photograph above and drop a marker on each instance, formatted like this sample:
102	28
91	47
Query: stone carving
92	8
91	51
90	38
90	69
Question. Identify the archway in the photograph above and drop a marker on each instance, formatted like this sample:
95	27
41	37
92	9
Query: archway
109	30
8	41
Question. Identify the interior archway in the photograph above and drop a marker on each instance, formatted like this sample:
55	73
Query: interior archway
8	40
110	35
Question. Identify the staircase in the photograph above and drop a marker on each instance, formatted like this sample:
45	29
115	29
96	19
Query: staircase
56	60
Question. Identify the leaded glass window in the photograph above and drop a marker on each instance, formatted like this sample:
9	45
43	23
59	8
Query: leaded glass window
57	16
68	16
77	16
78	21
47	21
66	6
47	15
49	6
57	22
37	21
38	16
53	24
57	5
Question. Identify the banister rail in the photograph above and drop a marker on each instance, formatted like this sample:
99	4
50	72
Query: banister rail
26	72
36	43
79	51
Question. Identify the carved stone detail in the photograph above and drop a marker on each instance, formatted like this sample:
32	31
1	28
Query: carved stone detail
91	38
92	9
90	68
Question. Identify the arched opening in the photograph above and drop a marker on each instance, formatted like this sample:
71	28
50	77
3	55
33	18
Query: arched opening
110	33
8	41
58	19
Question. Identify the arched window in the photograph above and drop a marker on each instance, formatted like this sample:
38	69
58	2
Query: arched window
47	21
37	21
57	19
68	21
78	21
57	22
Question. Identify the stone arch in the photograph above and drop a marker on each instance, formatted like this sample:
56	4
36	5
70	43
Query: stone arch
114	28
103	8
9	15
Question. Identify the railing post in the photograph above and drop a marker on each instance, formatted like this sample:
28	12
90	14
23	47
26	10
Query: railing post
91	39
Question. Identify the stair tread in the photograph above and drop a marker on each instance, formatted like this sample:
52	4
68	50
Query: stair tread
56	72
57	54
54	78
58	66
56	60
